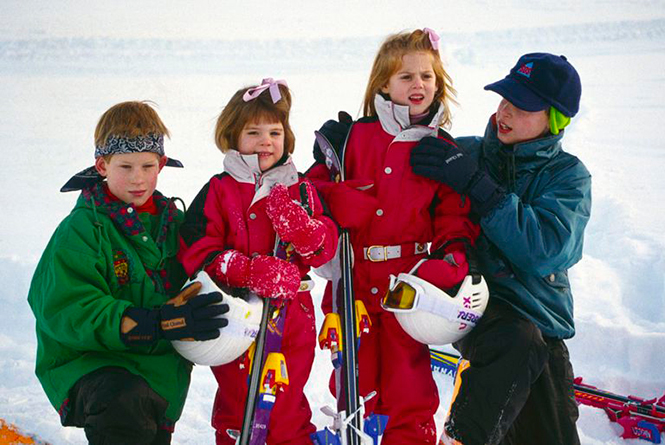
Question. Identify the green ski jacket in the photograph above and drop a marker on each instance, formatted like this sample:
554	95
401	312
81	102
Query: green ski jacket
103	258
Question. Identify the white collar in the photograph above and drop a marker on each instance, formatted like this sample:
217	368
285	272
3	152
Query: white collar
395	120
245	168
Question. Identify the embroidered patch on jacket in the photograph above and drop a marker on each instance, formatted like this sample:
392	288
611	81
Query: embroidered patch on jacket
121	266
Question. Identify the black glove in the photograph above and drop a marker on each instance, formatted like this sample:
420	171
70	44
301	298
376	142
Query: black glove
443	161
335	132
194	319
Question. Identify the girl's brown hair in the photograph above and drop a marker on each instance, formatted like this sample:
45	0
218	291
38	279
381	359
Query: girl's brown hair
239	113
389	60
129	119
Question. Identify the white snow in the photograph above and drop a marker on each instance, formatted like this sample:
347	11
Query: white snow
62	64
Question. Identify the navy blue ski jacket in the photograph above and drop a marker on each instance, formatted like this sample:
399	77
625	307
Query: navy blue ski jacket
534	235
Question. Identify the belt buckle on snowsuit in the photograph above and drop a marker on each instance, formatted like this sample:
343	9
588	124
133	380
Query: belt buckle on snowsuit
383	250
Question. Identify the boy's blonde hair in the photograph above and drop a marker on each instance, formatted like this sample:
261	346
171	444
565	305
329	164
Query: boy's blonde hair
389	60
238	113
129	120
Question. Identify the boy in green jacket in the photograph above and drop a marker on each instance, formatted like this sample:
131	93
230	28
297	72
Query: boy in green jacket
100	293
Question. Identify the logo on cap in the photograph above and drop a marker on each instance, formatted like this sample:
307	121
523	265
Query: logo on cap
526	69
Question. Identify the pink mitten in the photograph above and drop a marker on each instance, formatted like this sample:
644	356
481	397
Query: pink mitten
230	268
446	273
292	223
264	275
273	278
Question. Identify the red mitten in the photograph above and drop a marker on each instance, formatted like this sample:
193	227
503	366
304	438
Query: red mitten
266	276
292	222
352	203
273	278
446	273
230	268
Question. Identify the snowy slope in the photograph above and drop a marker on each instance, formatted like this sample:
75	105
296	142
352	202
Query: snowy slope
63	63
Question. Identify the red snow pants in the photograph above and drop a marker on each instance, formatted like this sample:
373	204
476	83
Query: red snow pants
397	367
290	419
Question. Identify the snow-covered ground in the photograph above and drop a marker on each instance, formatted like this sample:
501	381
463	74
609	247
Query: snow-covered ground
63	63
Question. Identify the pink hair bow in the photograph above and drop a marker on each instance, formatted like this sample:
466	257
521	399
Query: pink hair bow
266	84
433	38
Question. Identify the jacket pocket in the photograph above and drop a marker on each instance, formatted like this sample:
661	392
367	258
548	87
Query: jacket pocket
557	281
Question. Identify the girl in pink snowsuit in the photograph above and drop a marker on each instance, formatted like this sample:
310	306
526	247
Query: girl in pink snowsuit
393	214
230	232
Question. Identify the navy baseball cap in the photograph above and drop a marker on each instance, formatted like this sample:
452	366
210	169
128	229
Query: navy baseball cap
539	81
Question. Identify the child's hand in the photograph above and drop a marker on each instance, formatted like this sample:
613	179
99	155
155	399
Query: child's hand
264	275
292	223
187	316
335	132
197	318
446	273
443	161
273	278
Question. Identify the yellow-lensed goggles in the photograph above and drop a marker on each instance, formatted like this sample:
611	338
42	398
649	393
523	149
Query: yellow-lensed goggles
401	296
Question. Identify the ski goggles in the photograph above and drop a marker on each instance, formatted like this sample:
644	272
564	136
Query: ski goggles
401	296
409	293
405	293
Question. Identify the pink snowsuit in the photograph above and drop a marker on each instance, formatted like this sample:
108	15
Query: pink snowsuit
410	211
230	213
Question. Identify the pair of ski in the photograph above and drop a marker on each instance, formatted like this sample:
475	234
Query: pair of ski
268	373
267	369
340	334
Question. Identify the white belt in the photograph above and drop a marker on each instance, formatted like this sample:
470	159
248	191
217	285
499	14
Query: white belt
385	253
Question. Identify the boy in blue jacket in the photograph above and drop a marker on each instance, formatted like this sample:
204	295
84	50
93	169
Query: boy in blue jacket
533	202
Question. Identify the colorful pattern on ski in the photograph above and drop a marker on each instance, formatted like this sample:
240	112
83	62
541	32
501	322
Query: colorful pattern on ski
265	376
444	362
261	391
640	418
273	372
269	374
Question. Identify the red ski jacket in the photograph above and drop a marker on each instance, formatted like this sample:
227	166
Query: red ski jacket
408	211
230	213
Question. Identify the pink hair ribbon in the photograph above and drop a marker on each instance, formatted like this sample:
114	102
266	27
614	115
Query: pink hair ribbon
433	38
266	84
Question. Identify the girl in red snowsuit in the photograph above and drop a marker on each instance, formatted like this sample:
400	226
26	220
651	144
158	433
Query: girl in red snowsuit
392	215
230	231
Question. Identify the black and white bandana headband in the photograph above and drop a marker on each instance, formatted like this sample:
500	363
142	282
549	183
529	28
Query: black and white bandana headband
150	143
119	145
